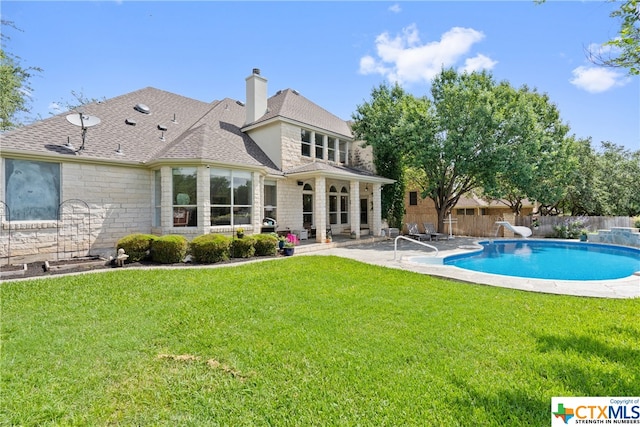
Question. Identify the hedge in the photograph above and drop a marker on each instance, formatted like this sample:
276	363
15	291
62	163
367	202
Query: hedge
169	249
210	248
137	246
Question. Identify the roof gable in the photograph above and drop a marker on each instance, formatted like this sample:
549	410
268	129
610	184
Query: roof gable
289	104
216	137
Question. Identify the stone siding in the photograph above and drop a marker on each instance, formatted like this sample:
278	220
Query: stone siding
119	200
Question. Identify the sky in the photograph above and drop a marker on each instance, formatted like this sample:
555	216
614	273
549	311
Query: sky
334	53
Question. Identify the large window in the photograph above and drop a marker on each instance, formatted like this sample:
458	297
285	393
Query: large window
305	137
333	205
270	199
32	190
231	197
344	206
307	204
319	146
185	211
413	198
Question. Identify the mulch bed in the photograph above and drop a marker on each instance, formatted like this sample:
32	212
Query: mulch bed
78	265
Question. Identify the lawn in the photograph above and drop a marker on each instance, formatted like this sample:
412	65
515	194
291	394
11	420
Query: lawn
307	340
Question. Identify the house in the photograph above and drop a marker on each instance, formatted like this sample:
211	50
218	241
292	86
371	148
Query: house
155	162
471	216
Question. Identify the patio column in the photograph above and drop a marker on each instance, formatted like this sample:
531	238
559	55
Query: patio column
376	227
354	207
257	205
166	204
325	149
204	200
320	208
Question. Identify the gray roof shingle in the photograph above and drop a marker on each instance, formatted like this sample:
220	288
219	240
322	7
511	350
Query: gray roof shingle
201	131
289	104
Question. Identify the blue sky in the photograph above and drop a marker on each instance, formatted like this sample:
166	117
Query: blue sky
333	52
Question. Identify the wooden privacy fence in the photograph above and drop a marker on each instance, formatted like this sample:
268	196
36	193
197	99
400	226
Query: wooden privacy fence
485	226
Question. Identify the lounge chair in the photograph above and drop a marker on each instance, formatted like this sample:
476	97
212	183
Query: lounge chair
414	233
431	230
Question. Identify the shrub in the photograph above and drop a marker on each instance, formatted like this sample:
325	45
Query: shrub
243	248
265	244
569	230
137	246
210	248
169	249
636	224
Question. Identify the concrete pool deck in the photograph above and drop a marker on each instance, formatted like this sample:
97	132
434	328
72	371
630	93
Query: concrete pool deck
382	253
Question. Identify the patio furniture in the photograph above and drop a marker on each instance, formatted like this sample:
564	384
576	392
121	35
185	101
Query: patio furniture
430	229
414	233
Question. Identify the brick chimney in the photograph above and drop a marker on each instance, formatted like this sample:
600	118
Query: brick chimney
256	96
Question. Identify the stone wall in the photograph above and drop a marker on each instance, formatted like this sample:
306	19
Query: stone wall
109	201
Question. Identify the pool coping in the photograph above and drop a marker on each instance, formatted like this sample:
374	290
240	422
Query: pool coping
628	287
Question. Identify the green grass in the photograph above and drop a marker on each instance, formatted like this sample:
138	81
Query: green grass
303	341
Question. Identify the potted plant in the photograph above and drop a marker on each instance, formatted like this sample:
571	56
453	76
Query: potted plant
583	235
290	244
281	242
240	232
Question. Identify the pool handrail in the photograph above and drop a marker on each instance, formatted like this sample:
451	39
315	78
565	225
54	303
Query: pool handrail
395	244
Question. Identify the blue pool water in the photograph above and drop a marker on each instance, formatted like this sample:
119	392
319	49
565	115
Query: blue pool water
551	260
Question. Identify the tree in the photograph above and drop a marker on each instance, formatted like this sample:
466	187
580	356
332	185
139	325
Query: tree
14	85
458	140
619	179
538	158
376	123
625	49
583	195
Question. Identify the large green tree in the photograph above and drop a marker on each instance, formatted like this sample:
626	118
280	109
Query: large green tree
538	160
459	140
375	122
619	180
15	86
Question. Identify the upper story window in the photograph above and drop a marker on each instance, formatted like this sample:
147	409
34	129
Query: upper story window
32	190
331	149
305	137
413	198
342	151
319	146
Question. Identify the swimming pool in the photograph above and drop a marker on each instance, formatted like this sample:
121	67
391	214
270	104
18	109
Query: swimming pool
544	259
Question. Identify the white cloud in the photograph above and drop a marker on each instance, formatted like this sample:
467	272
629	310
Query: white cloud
597	79
405	59
395	8
477	63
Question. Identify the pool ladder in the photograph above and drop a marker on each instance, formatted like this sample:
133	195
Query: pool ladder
395	244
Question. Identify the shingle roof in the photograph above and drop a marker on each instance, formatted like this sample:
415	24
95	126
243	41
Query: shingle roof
202	131
331	169
289	104
139	143
216	137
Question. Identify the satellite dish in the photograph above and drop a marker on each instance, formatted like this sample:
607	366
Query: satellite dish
83	120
